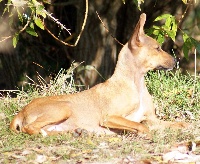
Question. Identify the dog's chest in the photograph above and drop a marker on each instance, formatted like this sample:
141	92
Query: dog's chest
121	103
138	114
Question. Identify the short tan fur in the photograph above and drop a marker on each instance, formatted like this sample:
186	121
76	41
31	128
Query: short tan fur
122	102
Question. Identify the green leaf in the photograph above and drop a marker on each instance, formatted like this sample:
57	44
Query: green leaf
185	50
173	19
164	16
19	16
196	44
40	11
168	22
15	39
171	34
9	3
31	25
155	30
49	2
185	1
189	43
39	23
185	37
149	31
170	26
160	38
31	31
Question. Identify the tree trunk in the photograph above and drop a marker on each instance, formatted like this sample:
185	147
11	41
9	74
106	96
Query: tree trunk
97	47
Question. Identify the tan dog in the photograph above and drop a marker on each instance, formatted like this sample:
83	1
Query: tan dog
122	102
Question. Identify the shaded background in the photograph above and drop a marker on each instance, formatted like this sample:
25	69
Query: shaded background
96	46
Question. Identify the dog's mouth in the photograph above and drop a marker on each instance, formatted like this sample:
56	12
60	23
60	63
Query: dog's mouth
163	68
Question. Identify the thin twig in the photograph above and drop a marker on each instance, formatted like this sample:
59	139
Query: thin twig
26	25
82	28
185	12
57	22
5	38
108	30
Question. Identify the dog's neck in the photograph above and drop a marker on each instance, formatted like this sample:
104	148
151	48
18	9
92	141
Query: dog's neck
128	69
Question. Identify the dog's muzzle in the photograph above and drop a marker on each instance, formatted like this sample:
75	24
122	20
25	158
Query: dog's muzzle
167	67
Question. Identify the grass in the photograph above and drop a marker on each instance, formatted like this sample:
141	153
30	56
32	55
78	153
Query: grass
176	97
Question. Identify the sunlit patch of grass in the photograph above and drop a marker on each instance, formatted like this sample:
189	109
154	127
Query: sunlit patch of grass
176	96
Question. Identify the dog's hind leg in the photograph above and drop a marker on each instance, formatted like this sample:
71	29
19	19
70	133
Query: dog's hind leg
52	113
121	123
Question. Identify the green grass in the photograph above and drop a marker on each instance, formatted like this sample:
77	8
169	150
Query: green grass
176	97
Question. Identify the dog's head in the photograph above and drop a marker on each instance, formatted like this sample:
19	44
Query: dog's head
147	51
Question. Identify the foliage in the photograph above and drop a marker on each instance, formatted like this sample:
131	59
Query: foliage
189	43
30	14
169	30
34	12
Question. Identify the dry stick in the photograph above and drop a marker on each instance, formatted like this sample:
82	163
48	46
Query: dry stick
178	24
57	22
82	28
5	38
108	30
185	11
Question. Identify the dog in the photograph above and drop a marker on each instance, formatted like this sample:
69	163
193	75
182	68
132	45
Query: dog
120	103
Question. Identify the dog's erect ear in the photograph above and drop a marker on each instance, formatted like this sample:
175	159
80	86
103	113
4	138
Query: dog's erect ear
136	38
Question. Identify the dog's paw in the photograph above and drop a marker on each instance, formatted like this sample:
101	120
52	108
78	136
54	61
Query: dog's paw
180	125
30	129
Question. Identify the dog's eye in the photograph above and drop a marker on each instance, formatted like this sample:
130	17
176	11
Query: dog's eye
158	48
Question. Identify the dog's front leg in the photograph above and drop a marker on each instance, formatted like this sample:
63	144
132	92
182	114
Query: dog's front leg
121	123
155	123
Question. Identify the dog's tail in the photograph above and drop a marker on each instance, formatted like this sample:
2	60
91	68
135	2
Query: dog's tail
17	123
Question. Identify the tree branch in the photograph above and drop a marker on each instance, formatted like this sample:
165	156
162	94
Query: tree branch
82	28
108	30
